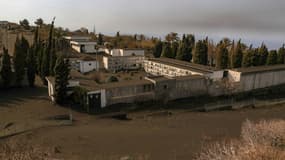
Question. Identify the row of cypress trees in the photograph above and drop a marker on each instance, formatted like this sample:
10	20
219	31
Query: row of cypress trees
225	54
238	55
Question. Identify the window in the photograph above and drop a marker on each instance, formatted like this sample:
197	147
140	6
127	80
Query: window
165	87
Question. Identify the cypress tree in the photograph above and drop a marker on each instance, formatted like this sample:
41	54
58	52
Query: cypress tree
237	55
19	62
44	68
255	57
201	52
100	39
6	72
52	59
31	67
40	53
185	48
61	79
182	53
247	60
281	55
272	57
166	51
222	56
157	49
174	48
25	46
47	59
263	54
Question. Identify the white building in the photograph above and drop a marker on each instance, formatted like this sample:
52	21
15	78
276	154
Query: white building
84	46
127	52
176	68
85	64
124	59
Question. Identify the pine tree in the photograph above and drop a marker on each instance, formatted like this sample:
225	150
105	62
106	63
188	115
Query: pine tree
237	55
100	39
272	58
222	56
281	55
61	79
6	72
201	52
166	51
263	54
157	49
19	62
31	67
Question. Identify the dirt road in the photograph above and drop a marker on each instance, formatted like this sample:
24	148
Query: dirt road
178	136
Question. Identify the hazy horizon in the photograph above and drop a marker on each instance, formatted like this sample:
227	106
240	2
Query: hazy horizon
254	21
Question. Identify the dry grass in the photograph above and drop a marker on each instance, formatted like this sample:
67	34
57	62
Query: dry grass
261	141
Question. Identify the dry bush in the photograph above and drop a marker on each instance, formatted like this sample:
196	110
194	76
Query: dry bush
261	141
20	151
270	133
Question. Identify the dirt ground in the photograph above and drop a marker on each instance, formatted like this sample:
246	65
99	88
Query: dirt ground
147	136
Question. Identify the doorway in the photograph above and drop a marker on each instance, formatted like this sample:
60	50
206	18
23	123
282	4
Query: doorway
95	101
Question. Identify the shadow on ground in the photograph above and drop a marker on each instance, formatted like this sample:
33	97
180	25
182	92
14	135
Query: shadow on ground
18	95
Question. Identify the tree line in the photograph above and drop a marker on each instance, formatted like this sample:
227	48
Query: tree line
39	59
226	54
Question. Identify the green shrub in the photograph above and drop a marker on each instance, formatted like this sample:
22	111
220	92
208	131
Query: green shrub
112	79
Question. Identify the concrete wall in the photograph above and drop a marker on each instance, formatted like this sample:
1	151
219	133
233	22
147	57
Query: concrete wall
192	87
133	53
261	80
88	48
129	94
234	76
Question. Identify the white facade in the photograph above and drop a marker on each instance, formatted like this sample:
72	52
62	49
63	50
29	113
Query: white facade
85	66
160	68
127	52
116	63
124	59
84	47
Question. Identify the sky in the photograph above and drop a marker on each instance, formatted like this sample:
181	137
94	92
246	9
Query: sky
254	21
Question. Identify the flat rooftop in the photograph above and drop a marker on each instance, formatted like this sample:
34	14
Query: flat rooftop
257	69
83	42
185	65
